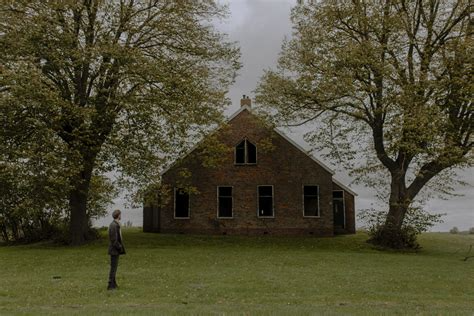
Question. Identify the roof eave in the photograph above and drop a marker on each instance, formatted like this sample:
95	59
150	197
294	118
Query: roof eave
325	167
345	187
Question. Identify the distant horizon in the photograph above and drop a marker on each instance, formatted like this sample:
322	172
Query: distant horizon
137	221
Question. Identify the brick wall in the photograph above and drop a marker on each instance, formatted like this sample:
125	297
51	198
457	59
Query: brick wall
284	166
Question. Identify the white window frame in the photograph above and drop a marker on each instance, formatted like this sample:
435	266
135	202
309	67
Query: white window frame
317	196
232	196
174	205
246	140
343	205
273	201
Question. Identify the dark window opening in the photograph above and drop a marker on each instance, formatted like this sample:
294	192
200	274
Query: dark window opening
338	208
240	152
265	201
311	190
337	194
224	202
311	200
245	153
251	153
181	203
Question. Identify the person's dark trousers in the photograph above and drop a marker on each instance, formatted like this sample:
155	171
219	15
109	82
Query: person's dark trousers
113	270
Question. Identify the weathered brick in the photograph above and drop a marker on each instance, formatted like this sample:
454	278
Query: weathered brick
285	167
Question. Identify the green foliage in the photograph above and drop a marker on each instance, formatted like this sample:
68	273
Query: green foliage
385	237
416	221
33	205
212	151
387	88
101	194
102	86
454	230
32	186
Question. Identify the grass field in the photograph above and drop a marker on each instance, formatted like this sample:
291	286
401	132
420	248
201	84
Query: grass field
183	274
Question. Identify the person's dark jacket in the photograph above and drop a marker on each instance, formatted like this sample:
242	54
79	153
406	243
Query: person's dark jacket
115	240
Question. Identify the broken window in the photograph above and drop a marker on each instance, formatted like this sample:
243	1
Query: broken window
224	201
265	201
245	153
311	200
181	203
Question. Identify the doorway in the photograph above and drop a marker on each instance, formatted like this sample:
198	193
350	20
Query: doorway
339	209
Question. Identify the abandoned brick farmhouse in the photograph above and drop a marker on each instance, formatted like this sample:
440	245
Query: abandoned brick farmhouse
266	184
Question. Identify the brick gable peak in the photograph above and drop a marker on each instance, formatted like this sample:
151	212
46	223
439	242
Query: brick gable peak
245	107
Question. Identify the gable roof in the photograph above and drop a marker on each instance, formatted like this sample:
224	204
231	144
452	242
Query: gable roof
343	186
282	134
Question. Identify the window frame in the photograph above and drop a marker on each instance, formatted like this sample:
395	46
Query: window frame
317	196
245	140
174	205
343	205
273	200
218	204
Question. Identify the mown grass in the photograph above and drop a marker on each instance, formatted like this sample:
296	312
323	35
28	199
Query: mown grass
183	274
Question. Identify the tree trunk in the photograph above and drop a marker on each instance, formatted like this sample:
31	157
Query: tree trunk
78	228
391	233
15	230
395	216
4	230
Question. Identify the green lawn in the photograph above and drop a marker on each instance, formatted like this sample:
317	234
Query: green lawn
183	274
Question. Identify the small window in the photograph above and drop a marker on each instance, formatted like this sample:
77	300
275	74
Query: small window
240	152
338	194
245	153
181	203
251	152
224	202
311	201
265	201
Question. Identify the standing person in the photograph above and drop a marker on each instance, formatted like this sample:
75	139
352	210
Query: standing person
116	247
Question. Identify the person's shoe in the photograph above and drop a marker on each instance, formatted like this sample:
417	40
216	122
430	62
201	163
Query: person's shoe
111	287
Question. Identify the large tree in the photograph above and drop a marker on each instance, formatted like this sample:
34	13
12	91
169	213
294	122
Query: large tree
111	85
391	79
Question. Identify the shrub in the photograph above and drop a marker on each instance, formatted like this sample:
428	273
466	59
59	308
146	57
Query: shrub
471	230
416	221
34	209
454	230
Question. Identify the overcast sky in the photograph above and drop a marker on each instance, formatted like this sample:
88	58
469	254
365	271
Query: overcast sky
259	26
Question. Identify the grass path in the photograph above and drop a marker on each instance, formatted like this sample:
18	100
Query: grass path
183	274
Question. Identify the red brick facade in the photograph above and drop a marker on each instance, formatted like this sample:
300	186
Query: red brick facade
281	165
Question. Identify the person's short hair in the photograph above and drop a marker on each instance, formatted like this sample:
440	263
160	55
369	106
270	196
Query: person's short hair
116	213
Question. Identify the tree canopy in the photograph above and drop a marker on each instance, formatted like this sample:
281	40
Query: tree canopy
390	82
102	86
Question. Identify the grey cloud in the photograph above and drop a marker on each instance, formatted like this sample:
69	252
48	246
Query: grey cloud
259	27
